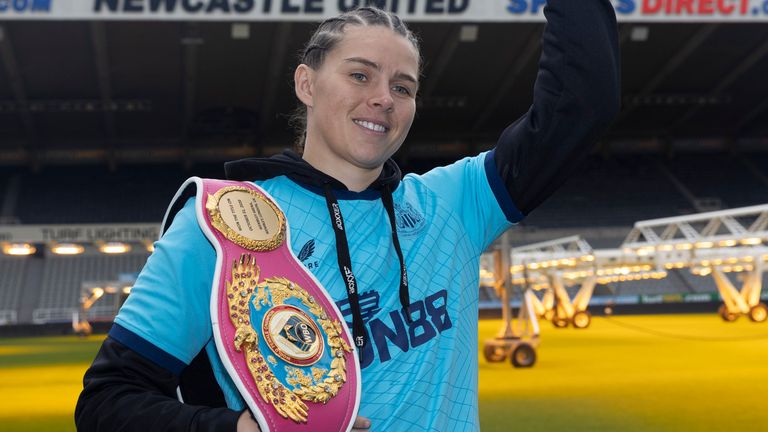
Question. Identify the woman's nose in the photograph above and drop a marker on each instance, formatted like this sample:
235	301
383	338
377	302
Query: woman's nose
382	98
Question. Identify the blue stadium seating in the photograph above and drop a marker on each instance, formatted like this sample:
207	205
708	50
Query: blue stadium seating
722	176
11	277
64	275
612	192
95	195
622	190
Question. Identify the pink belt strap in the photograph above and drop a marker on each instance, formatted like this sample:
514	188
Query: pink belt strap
279	334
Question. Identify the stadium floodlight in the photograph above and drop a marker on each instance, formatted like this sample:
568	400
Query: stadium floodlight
114	248
704	245
747	226
751	241
518	337
550	265
713	243
19	249
67	249
109	294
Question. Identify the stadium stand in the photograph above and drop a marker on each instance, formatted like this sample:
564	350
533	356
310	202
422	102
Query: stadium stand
757	164
63	276
611	192
487	294
6	210
605	192
723	176
11	281
604	197
96	195
705	283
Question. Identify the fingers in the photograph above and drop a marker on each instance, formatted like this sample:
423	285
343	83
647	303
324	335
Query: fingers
246	423
361	424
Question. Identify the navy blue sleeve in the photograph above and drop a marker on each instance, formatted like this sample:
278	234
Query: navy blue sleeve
575	98
146	349
125	391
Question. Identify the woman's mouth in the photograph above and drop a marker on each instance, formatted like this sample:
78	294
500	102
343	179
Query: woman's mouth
371	126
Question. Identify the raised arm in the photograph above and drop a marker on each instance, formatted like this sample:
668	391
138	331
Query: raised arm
575	98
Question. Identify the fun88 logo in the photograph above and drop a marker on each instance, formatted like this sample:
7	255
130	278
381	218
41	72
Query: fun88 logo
393	332
25	5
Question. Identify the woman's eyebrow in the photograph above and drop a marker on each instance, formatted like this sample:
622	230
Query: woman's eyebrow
400	75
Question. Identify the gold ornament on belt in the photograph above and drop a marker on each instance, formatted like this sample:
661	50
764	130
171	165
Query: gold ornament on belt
317	384
246	218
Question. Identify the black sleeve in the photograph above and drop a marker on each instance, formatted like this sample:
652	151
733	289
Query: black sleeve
576	96
123	391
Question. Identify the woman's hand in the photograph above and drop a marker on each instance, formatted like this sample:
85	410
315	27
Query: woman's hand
246	424
361	424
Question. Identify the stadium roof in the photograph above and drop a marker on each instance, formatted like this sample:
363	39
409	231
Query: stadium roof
77	91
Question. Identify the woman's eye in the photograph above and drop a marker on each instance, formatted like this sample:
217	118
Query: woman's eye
358	76
402	90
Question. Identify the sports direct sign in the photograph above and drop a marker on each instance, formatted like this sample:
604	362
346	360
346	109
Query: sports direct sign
413	10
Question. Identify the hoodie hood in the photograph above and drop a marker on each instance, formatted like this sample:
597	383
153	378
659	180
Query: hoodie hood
290	164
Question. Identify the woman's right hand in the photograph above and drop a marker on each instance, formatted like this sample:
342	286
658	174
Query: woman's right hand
246	423
361	424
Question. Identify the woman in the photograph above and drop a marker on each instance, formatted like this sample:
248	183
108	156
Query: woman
412	244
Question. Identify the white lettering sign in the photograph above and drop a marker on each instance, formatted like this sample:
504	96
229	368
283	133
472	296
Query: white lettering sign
412	10
80	233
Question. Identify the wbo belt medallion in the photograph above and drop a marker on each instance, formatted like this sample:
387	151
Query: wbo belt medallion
278	333
292	335
282	331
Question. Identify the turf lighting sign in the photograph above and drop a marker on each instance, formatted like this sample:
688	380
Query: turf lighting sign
413	10
79	233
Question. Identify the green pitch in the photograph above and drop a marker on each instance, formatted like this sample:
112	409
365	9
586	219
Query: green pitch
636	373
633	373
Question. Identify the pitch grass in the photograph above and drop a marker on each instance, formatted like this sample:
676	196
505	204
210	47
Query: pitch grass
626	373
634	373
40	379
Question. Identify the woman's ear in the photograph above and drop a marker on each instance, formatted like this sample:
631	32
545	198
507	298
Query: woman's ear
302	81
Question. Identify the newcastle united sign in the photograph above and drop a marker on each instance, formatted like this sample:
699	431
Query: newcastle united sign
412	10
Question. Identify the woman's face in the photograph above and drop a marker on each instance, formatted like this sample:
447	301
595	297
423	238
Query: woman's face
361	101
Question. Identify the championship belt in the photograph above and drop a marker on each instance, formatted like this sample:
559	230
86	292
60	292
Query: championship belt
279	334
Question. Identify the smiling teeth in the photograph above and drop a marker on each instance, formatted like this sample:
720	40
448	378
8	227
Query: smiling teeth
372	126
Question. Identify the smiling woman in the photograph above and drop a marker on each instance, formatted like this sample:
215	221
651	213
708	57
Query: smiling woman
397	255
360	104
357	85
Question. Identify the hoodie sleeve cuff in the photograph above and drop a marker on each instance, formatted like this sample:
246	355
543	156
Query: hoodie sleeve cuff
500	190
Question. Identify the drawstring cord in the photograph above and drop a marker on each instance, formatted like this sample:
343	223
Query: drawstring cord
345	268
389	206
359	335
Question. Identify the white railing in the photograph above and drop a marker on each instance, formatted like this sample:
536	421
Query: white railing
8	317
101	312
53	315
